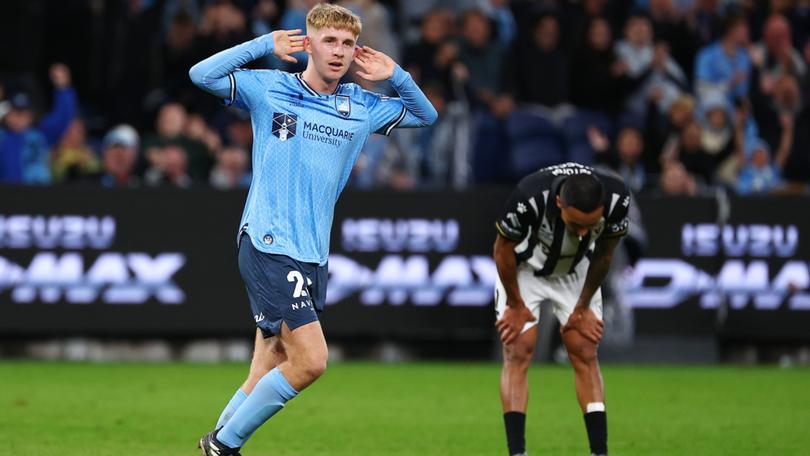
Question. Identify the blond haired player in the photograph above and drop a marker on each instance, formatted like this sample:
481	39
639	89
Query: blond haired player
308	132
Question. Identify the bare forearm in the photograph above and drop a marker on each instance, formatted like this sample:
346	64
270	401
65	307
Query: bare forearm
506	263
597	271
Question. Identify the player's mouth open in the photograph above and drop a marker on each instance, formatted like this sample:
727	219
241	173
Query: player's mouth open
336	65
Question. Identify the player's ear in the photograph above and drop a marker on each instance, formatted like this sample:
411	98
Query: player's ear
559	202
307	45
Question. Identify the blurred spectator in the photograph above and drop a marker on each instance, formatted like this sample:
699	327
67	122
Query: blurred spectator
169	167
797	164
170	129
180	52
445	145
295	17
377	31
481	56
717	137
197	130
231	170
223	25
120	154
760	174
577	19
133	39
707	19
505	25
775	55
25	147
724	66
775	113
238	130
433	56
72	158
600	79
687	149
663	80
676	181
680	26
629	146
537	71
660	131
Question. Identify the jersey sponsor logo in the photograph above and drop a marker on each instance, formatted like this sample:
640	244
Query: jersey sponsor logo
284	125
326	134
343	105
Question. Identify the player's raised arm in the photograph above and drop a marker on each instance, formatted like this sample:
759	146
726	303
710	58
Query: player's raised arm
411	109
215	74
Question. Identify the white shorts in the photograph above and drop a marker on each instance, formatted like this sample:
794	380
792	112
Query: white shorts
561	292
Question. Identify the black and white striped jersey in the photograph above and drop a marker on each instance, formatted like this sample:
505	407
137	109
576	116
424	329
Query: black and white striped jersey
532	219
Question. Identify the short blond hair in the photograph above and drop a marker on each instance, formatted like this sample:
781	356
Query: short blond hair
325	15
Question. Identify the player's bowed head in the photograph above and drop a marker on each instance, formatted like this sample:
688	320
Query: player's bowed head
580	203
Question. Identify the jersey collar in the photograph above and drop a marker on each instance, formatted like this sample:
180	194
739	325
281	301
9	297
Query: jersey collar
310	90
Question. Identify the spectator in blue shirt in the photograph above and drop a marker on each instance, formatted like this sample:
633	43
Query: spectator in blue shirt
725	65
760	174
24	145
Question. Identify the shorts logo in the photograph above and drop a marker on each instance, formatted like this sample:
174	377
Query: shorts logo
302	305
284	125
343	105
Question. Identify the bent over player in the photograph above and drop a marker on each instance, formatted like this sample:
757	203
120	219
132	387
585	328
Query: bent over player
554	245
308	131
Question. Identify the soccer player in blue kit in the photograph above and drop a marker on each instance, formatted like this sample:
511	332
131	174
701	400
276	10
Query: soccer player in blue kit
308	131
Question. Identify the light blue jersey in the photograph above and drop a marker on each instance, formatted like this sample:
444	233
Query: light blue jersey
304	143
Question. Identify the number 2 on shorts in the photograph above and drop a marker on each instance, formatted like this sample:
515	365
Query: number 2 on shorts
298	278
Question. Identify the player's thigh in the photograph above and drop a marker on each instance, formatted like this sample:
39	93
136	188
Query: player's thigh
268	352
305	345
530	292
564	294
279	289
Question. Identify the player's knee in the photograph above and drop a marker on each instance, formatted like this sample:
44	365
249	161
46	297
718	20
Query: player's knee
582	353
519	355
314	367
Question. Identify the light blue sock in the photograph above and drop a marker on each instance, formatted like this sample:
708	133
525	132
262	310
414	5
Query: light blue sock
267	398
231	408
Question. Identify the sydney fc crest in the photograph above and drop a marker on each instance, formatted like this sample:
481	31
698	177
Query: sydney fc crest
284	125
343	105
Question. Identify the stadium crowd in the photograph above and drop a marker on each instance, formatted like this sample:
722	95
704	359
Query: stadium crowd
680	97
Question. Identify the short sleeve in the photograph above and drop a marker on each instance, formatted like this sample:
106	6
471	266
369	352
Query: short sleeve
617	222
384	113
518	217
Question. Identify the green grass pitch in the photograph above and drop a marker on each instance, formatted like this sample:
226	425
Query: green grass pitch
49	409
